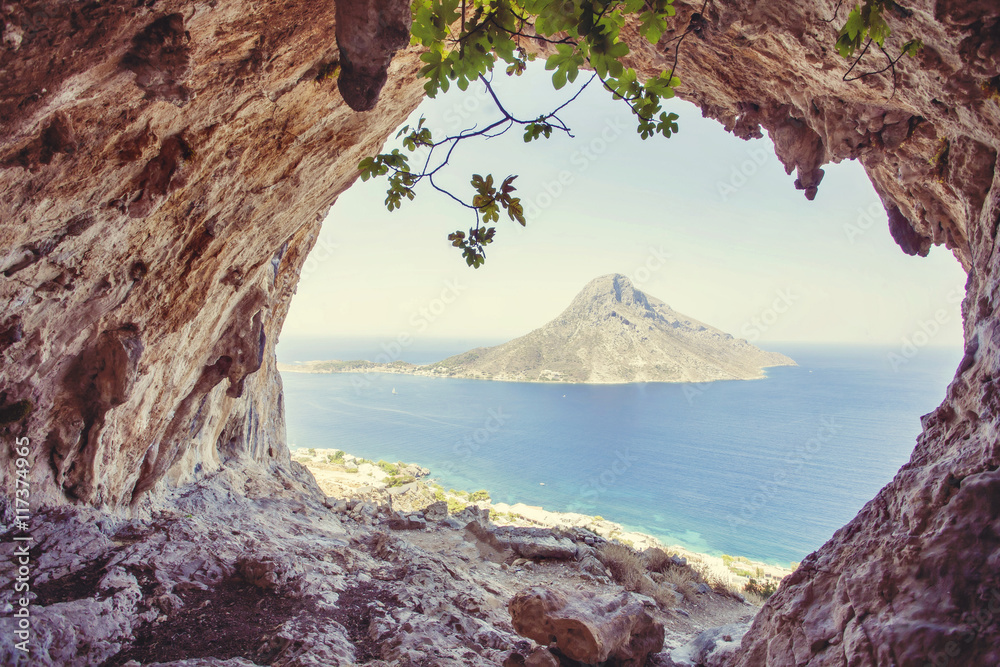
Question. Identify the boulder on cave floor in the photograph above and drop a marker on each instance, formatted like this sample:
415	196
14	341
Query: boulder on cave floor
711	648
616	630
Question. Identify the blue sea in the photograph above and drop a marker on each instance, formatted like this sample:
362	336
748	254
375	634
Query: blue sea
767	469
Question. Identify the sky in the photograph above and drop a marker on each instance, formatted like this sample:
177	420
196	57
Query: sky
704	221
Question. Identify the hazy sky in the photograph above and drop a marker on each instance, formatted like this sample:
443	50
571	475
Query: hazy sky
706	222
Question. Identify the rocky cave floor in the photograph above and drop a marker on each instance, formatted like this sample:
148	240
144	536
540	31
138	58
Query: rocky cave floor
253	567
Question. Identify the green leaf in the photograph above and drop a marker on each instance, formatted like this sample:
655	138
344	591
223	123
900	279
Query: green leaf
436	71
366	167
566	62
855	25
667	125
912	47
662	85
652	26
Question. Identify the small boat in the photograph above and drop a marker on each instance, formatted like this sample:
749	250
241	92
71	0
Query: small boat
393	391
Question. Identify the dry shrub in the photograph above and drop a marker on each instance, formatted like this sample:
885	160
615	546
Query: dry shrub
724	586
666	597
685	580
623	564
656	559
762	588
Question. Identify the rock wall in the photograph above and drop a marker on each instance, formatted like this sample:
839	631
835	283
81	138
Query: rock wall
914	579
163	171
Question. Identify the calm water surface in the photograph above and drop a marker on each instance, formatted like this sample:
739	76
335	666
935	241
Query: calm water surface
767	469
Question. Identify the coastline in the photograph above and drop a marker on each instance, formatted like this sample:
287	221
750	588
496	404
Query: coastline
410	487
423	370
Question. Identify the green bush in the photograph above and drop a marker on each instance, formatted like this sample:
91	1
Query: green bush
455	505
439	495
598	517
390	468
480	495
311	451
399	480
727	560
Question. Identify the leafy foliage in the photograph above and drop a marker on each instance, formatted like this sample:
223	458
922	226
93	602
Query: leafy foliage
390	468
863	23
455	505
399	480
465	39
866	25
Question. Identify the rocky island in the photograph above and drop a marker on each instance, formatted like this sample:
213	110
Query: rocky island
611	333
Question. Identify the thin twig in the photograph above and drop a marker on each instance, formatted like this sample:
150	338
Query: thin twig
892	62
677	50
836	11
863	52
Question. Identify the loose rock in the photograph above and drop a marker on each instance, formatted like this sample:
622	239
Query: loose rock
590	629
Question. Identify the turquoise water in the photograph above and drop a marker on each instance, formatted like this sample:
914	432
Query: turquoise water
767	469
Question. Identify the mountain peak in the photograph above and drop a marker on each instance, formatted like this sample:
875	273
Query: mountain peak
613	288
615	282
613	332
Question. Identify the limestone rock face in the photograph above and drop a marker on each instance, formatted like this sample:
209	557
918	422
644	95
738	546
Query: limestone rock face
913	578
613	332
593	630
163	171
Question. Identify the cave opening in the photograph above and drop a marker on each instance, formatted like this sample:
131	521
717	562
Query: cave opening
704	221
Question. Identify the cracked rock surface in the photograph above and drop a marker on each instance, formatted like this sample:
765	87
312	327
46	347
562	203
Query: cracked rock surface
222	576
